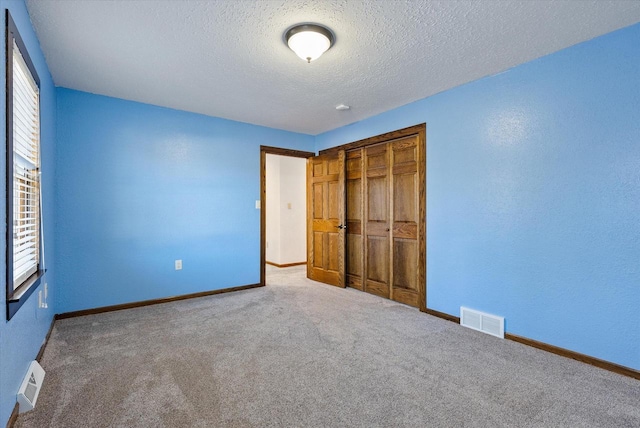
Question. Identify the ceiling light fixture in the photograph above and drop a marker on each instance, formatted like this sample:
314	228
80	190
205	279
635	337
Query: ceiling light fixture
309	41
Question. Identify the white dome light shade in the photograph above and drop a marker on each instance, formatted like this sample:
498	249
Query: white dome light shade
309	45
309	41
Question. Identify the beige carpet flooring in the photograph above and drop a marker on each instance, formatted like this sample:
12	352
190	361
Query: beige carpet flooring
301	354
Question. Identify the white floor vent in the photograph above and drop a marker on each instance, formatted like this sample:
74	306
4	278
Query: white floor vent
30	388
480	321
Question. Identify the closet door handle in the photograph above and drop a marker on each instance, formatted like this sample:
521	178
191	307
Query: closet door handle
342	226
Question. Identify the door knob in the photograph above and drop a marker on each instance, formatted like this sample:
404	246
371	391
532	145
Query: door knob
342	226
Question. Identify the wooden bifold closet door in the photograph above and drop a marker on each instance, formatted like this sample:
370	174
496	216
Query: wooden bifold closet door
366	209
384	220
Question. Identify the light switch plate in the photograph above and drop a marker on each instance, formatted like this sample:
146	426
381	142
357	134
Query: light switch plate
178	264
257	205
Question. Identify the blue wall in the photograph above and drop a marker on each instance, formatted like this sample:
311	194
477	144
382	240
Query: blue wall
141	186
22	336
533	195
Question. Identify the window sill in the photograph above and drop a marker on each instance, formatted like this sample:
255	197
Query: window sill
22	293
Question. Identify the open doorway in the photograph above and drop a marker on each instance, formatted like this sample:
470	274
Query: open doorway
284	213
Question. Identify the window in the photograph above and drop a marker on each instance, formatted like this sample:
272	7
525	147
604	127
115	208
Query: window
24	241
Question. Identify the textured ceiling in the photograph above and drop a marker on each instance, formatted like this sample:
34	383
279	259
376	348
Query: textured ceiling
227	58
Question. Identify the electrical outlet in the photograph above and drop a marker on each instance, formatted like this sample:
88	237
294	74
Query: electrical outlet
178	264
289	205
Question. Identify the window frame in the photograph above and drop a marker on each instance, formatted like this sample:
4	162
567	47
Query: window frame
17	296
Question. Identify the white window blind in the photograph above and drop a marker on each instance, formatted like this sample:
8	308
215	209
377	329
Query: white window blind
26	176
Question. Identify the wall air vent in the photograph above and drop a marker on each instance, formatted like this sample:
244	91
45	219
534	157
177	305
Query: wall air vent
483	322
30	388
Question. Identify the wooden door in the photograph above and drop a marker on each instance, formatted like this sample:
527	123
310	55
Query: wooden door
392	223
354	202
405	221
376	220
326	219
385	186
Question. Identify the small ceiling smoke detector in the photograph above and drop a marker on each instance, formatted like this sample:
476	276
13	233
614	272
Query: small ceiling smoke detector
309	41
342	107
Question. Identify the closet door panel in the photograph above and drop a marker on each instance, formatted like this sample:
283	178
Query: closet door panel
377	227
405	221
404	192
355	204
377	207
378	265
